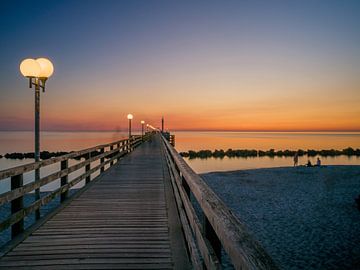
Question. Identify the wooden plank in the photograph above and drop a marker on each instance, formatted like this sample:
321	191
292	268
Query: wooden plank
37	204
16	193
36	165
120	221
210	259
5	263
245	252
96	266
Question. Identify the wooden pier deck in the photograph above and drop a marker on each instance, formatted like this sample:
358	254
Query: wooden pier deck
126	219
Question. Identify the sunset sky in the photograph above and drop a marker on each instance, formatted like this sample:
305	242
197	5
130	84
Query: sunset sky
204	65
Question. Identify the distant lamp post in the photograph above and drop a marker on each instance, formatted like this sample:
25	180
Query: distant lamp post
38	71
142	129
130	117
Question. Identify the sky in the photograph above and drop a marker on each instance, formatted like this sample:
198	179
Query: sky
203	65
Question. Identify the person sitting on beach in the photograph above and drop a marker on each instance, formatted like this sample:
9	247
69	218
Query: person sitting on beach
318	162
308	164
296	159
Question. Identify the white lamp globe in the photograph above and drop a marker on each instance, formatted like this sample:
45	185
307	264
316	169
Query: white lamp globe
30	68
46	66
130	116
142	122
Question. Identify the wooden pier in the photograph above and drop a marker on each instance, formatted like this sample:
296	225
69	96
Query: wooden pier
137	214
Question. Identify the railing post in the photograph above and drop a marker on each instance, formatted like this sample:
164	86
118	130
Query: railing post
118	152
37	193
64	180
102	161
210	235
17	205
186	186
87	168
111	148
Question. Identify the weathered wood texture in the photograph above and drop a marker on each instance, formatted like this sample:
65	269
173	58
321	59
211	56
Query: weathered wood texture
17	191
120	222
222	227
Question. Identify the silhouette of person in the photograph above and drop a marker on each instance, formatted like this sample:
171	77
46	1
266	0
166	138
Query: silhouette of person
309	163
296	159
318	162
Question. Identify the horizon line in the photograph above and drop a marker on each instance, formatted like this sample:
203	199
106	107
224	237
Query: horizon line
189	130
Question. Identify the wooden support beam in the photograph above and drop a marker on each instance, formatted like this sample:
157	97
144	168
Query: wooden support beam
17	205
111	148
87	168
102	160
64	180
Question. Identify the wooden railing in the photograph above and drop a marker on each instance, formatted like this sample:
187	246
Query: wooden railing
219	229
106	153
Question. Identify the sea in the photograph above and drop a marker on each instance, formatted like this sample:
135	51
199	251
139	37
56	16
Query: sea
242	195
23	141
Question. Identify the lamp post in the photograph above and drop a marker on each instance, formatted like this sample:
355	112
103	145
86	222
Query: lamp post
38	71
142	129
130	117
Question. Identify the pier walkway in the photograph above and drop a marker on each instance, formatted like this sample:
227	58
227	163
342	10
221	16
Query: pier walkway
126	219
147	209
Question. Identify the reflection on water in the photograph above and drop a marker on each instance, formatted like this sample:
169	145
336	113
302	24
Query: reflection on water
239	163
186	141
50	141
70	141
265	140
23	141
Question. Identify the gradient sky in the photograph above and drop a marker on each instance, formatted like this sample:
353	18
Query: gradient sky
204	65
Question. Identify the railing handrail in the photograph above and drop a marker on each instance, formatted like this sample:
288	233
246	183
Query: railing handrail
36	165
112	151
244	251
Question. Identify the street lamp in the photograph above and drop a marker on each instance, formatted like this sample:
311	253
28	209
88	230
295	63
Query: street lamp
142	129
38	71
130	117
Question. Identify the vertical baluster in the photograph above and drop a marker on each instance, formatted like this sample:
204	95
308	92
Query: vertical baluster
111	148
102	160
212	237
118	152
64	180
37	193
87	168
186	186
16	206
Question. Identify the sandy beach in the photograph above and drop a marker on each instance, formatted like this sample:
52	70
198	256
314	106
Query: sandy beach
306	218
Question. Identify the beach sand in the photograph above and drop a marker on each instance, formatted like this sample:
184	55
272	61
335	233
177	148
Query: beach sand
306	218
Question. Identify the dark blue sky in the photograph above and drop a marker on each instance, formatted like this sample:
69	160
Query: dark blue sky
120	48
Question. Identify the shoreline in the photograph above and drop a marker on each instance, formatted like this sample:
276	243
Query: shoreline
304	217
280	167
231	153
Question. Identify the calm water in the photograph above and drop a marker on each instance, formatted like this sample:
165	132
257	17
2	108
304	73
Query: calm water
186	141
50	141
70	141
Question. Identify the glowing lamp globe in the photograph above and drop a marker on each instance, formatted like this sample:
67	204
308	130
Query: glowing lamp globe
130	116
30	68
46	66
142	122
